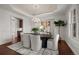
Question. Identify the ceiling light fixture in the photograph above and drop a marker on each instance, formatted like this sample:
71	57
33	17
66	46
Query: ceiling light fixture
36	6
36	19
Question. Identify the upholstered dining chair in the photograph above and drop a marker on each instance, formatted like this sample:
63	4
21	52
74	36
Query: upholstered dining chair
53	43
25	39
36	43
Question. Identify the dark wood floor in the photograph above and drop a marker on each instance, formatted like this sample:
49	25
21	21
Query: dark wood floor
4	50
63	49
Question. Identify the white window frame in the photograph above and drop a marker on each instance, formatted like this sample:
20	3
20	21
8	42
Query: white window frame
71	22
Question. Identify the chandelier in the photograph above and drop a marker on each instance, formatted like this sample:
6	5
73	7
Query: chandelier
35	19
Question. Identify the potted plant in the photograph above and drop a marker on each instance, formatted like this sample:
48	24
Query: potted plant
35	30
59	23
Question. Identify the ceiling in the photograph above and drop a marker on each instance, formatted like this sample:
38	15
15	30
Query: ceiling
36	9
39	10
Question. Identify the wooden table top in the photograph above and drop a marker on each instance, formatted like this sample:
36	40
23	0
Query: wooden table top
41	34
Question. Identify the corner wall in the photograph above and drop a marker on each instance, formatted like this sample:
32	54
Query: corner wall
73	43
5	32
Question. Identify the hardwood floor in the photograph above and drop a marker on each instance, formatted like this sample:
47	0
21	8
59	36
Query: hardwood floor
4	50
63	49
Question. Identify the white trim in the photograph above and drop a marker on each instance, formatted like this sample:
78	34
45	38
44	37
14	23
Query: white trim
73	47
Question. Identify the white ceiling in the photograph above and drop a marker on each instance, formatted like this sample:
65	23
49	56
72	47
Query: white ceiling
40	10
36	9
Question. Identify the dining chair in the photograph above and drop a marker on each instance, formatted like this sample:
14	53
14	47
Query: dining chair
53	43
36	43
25	39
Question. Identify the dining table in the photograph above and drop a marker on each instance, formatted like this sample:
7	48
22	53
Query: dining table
44	37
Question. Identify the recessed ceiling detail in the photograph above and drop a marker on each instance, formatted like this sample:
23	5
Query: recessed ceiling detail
36	9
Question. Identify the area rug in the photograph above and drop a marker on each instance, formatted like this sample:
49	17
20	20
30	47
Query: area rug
18	47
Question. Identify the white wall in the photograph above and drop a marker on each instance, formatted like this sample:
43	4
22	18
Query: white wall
5	18
27	25
4	26
73	43
63	29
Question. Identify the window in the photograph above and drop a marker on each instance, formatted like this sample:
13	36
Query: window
73	23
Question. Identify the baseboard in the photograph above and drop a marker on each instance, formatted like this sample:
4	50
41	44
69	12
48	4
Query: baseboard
5	41
73	48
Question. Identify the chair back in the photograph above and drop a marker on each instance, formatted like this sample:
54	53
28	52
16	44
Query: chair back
56	39
25	39
35	42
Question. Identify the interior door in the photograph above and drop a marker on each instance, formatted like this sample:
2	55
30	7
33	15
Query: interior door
13	27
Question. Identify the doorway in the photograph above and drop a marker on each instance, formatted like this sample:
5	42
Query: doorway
16	27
